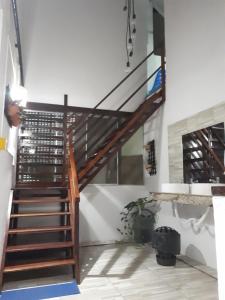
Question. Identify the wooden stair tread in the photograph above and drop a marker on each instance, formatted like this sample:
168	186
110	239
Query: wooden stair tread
39	229
36	187
39	265
43	200
39	214
39	246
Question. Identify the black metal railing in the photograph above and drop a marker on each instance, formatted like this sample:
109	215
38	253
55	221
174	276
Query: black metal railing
91	132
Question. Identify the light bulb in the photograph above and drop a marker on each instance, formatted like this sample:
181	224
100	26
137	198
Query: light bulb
133	21
128	68
19	93
129	47
133	36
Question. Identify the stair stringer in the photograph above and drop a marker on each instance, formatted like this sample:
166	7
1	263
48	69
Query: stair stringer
138	118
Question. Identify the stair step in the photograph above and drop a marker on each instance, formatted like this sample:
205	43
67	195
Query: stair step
35	187
42	201
40	246
39	229
39	214
39	265
93	156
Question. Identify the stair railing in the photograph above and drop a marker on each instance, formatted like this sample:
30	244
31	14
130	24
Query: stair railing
200	136
74	199
79	125
18	42
108	128
80	138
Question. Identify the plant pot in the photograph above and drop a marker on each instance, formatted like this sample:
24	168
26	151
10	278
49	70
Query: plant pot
167	243
166	259
13	114
142	228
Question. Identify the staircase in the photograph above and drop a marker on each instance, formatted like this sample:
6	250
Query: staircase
55	163
204	155
114	142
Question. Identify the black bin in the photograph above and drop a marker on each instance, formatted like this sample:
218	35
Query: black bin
166	241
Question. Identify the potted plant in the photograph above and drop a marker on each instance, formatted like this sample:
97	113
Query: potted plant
138	218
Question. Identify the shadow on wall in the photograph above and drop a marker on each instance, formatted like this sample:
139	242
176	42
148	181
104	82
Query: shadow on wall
187	211
192	251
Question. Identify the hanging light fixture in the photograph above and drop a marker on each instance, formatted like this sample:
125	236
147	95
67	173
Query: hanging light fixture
19	94
129	7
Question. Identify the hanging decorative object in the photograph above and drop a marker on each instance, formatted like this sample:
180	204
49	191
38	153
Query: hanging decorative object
15	100
129	7
151	166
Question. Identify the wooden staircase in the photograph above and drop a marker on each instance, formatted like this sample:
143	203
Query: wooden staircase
54	165
114	142
47	240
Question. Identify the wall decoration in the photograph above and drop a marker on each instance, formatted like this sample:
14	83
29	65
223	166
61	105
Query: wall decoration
12	110
15	100
151	166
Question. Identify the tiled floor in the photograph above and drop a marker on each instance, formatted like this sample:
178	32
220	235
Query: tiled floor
130	272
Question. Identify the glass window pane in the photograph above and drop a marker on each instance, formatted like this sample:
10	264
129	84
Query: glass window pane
131	160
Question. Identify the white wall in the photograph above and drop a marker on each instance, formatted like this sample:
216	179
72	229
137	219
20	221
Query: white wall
9	75
100	208
195	81
78	48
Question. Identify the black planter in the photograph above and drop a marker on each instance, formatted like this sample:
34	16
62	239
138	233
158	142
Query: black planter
143	226
167	243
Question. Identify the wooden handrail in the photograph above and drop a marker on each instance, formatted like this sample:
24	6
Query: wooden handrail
74	199
73	177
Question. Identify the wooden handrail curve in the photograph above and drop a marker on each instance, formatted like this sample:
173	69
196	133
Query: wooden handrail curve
72	172
74	199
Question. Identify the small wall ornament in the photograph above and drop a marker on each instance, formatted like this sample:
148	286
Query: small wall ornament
14	104
151	161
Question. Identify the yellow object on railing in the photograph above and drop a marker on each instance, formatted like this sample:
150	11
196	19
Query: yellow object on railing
2	143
